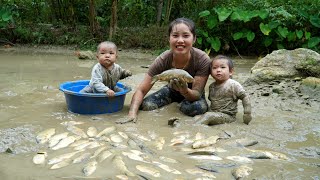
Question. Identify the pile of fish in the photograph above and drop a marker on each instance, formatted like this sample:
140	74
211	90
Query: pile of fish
92	147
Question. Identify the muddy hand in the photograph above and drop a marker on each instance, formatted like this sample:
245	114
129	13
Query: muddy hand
247	118
126	120
179	85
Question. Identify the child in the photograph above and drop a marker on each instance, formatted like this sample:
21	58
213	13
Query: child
106	73
224	94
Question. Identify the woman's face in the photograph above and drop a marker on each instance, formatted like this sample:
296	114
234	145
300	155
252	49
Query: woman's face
181	39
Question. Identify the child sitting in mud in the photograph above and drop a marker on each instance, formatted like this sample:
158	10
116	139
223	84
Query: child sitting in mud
224	94
106	73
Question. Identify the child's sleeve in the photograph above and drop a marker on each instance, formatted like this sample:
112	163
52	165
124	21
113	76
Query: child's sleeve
97	81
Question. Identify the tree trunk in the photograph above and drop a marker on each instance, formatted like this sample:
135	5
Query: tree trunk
92	18
159	12
168	11
113	21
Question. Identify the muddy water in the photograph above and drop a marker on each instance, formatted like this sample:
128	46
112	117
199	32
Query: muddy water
30	101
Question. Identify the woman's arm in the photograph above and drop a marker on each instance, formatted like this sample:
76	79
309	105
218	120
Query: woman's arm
138	96
195	92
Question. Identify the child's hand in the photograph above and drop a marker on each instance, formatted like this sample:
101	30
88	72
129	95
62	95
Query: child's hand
247	118
110	93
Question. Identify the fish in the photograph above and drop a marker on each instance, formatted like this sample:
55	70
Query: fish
60	164
83	146
206	157
167	75
241	172
54	140
260	154
39	158
104	155
106	131
77	131
83	157
211	166
65	142
134	156
240	159
197	172
121	166
166	167
45	135
124	135
98	151
205	142
116	138
92	131
89	168
159	142
80	142
62	157
166	159
148	170
71	123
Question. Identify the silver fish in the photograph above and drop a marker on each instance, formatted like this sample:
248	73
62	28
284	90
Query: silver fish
118	162
104	155
167	75
116	138
106	131
62	157
148	170
77	131
239	159
98	151
61	164
39	158
241	171
45	135
205	142
65	142
83	157
166	167
89	168
54	140
92	131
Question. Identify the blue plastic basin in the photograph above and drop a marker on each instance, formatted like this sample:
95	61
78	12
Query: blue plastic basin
92	103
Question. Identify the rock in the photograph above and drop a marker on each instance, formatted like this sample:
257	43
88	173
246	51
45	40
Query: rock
85	54
283	64
311	87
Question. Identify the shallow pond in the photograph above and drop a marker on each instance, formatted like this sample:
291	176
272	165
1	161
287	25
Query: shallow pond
30	102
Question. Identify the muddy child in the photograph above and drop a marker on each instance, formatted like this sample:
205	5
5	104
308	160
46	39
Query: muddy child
224	94
106	73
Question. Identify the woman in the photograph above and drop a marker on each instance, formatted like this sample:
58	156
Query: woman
182	55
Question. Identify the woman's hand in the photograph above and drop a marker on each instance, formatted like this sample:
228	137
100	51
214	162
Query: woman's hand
179	85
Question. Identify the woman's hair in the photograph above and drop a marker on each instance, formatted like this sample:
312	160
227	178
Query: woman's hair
230	62
107	43
185	21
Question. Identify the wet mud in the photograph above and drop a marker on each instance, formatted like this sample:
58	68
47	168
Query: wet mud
285	120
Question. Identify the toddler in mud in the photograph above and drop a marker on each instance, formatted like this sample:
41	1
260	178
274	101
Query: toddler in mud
224	94
106	73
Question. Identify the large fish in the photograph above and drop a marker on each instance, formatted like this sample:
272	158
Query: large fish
45	135
167	75
89	168
118	162
205	142
148	170
241	172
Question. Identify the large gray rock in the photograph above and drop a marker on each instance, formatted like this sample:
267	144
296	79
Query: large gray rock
283	64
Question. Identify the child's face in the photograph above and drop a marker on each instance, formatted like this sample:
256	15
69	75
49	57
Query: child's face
181	39
220	70
107	55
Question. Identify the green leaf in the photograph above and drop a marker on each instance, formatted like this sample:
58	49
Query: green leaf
263	14
265	29
215	44
273	24
299	33
291	36
212	22
250	36
223	13
199	40
204	33
267	41
283	31
280	46
307	35
204	13
6	16
235	16
237	35
315	20
314	41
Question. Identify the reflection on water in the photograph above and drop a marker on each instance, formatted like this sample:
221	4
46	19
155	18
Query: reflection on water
30	101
